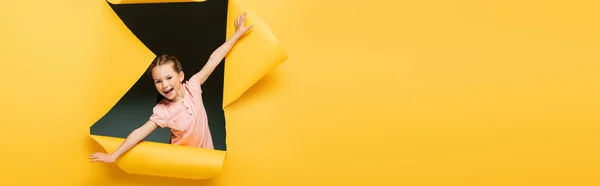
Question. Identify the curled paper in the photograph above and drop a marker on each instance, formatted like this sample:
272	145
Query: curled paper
160	159
255	55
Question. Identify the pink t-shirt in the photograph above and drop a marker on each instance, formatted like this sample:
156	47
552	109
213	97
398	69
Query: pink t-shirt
187	119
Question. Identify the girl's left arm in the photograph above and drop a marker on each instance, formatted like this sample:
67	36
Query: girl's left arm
217	56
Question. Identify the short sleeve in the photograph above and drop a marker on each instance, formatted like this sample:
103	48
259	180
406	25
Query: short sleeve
159	116
194	84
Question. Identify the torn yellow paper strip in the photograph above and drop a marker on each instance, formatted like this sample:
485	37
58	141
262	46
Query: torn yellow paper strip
254	55
151	1
160	159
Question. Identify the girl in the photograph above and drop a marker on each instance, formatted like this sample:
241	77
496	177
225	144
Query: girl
182	109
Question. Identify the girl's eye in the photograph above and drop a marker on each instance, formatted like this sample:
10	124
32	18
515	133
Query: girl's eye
169	78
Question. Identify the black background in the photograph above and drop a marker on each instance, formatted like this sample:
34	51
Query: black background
191	31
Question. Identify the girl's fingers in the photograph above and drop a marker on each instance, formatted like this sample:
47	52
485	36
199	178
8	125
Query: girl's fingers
95	155
240	19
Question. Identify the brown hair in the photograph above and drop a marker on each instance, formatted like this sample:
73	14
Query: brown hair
163	60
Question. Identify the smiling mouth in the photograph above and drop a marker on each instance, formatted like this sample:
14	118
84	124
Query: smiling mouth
168	91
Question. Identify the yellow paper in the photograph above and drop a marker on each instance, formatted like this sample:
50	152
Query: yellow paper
419	93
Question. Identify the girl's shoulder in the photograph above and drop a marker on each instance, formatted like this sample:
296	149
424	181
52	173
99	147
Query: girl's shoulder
162	106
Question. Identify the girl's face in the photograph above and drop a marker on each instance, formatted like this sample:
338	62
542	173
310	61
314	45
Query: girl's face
167	81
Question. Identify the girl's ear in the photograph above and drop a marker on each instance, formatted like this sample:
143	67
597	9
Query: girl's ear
181	76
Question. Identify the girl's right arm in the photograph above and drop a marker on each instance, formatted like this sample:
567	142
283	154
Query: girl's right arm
135	137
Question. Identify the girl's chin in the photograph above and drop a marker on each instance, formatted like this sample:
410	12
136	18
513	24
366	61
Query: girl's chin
167	96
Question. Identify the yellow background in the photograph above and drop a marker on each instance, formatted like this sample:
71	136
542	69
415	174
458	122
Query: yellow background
373	93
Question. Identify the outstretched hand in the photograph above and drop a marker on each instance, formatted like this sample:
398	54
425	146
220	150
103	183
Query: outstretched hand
240	28
101	157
